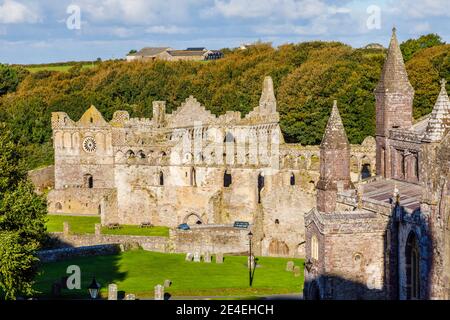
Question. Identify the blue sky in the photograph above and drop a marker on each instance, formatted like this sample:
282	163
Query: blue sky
37	32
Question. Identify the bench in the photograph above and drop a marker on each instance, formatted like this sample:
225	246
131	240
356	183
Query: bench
113	226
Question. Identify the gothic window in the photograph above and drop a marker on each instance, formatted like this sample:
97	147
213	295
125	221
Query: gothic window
130	154
412	256
292	181
260	186
314	248
193	177
88	181
161	178
227	179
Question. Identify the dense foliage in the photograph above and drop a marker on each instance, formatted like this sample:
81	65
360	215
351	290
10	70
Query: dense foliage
307	78
22	223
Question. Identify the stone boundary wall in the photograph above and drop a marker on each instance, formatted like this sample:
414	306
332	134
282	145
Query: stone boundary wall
61	254
158	244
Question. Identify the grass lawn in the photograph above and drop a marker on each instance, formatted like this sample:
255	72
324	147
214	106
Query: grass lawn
86	225
64	68
140	271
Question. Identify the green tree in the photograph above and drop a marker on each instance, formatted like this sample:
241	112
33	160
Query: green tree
9	79
22	223
412	46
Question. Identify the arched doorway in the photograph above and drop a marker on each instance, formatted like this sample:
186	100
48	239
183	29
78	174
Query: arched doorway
412	256
193	219
278	248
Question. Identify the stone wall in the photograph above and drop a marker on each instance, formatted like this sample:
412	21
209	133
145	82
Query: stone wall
43	178
62	254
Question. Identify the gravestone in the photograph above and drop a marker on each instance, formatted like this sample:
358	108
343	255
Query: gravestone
219	258
251	262
112	291
167	283
130	296
197	257
66	228
98	229
159	292
290	266
297	271
207	257
189	256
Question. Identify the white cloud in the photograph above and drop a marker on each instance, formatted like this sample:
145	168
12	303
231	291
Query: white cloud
422	8
15	12
167	30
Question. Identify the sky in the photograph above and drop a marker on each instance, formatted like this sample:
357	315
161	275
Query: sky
61	30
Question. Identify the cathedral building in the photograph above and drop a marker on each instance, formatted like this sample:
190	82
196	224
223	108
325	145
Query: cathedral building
387	236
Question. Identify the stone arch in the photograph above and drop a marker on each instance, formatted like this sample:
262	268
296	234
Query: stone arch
314	291
261	182
58	207
88	181
278	248
130	154
67	140
227	179
141	154
193	177
366	167
192	219
59	140
412	265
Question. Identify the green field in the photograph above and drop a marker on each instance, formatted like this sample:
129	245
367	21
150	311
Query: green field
63	68
86	225
140	271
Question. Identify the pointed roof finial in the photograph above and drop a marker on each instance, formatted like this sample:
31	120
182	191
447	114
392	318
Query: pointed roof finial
394	77
335	136
439	120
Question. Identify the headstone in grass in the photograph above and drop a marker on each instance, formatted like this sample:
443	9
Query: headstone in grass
66	228
159	292
297	271
219	258
112	291
189	256
167	283
290	266
197	256
207	257
130	296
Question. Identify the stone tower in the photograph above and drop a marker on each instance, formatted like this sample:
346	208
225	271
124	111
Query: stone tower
268	102
334	163
394	100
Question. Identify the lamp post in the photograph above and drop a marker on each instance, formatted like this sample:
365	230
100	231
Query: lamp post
250	236
94	288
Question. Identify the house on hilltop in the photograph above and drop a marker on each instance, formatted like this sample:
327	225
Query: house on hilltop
168	54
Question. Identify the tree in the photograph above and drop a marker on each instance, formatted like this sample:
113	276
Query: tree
22	223
412	46
133	51
9	79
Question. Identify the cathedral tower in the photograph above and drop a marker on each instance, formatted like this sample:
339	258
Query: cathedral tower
394	100
334	163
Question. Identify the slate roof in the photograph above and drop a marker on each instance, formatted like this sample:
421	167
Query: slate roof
149	52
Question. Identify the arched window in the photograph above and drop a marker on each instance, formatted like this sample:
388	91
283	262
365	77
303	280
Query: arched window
277	221
193	177
292	179
141	154
58	206
314	248
130	154
88	181
227	179
161	178
412	256
260	186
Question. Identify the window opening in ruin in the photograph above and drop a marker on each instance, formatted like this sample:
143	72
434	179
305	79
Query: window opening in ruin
412	267
227	179
161	178
292	179
277	221
260	186
88	181
314	248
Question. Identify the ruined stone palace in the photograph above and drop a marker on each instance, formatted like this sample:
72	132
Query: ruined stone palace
136	171
388	236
